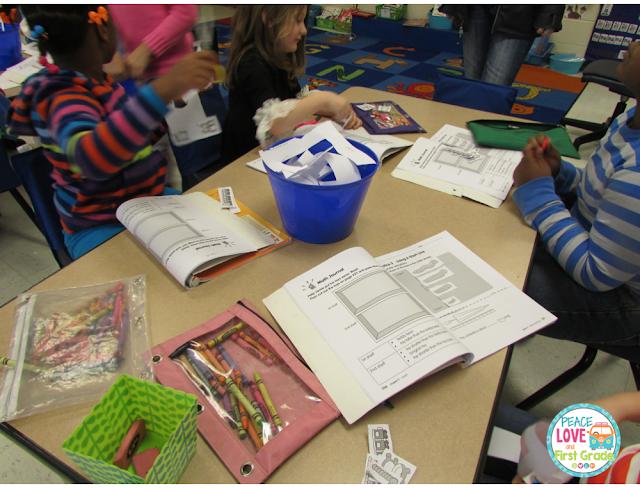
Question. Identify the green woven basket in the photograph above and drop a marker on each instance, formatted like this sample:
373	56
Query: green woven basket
170	418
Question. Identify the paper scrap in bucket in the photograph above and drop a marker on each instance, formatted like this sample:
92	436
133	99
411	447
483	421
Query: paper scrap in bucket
305	167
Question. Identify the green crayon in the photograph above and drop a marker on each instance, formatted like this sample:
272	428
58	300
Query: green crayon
236	410
255	416
10	363
225	335
267	400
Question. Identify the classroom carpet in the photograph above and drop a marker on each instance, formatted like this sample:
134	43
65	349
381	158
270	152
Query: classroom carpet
336	62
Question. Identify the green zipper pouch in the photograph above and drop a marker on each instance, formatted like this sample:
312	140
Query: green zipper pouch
509	134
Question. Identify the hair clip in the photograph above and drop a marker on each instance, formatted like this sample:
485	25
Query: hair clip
38	32
51	68
97	18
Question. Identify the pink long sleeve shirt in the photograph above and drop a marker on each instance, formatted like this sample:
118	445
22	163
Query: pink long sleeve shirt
165	29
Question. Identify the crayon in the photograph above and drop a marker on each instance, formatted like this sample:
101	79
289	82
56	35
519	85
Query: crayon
251	350
225	366
233	365
225	335
242	433
228	406
252	342
10	363
232	388
244	417
254	436
217	381
545	143
258	425
217	366
263	407
261	340
197	369
265	394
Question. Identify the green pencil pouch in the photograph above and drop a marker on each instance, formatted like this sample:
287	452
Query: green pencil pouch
510	134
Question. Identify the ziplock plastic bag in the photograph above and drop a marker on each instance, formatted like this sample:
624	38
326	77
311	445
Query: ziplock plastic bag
70	345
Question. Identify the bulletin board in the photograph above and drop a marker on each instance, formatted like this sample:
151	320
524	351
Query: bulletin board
617	27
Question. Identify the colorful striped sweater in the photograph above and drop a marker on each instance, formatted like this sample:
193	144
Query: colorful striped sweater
598	241
97	138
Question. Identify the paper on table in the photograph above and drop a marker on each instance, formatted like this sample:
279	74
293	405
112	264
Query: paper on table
439	295
180	234
243	229
450	162
21	71
382	145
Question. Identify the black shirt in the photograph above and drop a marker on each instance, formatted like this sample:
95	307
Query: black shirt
256	82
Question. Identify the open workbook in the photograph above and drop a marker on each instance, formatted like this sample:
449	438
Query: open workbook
195	238
368	328
452	163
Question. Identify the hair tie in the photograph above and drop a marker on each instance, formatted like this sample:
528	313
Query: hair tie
38	32
51	68
97	18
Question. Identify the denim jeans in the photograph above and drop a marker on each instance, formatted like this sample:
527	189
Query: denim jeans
493	58
611	317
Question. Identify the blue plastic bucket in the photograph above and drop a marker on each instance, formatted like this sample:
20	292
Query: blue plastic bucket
10	46
321	214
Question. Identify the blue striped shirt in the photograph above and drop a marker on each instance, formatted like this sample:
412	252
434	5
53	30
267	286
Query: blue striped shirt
598	241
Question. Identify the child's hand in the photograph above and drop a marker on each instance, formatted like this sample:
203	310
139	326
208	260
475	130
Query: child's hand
339	109
551	154
194	71
117	68
138	60
533	164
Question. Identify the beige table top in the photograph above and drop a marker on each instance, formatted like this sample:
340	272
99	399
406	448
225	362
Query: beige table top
438	424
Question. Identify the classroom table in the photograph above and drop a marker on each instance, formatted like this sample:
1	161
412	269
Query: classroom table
439	424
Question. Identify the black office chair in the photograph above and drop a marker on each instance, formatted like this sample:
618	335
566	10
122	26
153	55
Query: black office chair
602	72
631	354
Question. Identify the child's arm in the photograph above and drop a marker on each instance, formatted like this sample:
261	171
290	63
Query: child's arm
97	149
320	103
180	20
601	258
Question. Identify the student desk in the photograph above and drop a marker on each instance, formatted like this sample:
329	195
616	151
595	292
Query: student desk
439	424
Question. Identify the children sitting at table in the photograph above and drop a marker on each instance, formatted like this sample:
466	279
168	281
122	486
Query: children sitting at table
266	58
97	138
589	274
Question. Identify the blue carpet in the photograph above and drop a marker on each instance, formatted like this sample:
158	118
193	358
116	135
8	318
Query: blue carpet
335	63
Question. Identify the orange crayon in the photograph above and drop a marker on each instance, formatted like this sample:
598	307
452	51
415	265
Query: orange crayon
251	350
252	342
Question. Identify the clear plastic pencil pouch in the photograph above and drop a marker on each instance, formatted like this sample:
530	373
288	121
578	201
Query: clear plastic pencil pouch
259	402
70	345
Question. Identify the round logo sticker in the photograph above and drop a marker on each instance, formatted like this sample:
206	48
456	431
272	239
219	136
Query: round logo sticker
583	440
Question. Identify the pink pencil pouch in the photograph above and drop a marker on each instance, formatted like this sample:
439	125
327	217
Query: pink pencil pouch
298	407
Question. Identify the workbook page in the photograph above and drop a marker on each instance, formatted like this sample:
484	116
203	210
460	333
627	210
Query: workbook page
384	336
478	305
451	162
183	237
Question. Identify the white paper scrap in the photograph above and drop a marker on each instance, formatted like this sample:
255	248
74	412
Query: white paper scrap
389	469
343	169
379	439
504	445
227	200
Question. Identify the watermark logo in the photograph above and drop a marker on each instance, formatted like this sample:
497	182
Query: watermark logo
583	440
